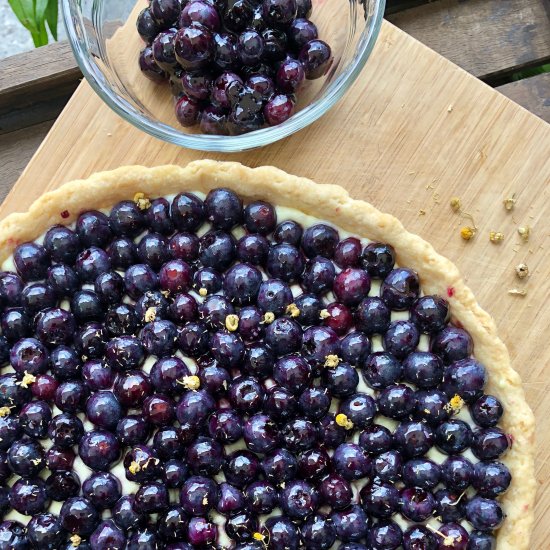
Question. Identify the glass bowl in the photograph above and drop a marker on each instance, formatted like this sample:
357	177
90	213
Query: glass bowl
106	45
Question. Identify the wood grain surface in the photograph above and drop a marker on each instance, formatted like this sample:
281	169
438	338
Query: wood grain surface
414	131
485	37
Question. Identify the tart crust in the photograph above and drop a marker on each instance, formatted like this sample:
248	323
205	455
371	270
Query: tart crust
334	205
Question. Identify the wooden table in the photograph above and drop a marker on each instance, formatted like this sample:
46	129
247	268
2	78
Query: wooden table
492	39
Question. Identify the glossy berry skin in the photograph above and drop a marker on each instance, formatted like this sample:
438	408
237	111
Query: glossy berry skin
416	504
457	472
401	338
65	430
360	408
350	524
385	536
104	410
466	378
491	479
78	516
28	496
335	491
230	499
418	537
301	32
379	499
44	531
430	313
241	468
108	536
205	456
151	498
38	296
35	417
314	402
198	495
102	489
261	497
388	465
400	289
313	464
341	380
31	261
26	458
413	438
283	532
372	316
279	466
381	369
351	461
299	499
99	450
451	344
200	12
396	401
316	57
62	244
490	443
484	514
453	436
481	541
431	406
318	532
423	369
422	473
486	411
164	12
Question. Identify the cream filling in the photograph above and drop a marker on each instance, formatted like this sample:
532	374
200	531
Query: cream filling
128	487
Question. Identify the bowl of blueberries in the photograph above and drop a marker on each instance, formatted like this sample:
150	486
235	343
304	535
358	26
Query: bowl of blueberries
222	75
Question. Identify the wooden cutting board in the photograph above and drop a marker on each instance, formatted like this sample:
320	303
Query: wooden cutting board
414	131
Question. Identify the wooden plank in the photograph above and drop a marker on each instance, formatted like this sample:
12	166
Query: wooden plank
532	93
25	75
427	131
16	149
485	37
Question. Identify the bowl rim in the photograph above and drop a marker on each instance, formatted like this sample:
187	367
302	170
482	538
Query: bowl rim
213	143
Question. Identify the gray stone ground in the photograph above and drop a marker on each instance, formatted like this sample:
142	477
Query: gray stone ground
16	38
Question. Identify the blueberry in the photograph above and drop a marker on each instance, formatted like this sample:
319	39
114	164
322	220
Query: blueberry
381	369
65	430
200	12
28	496
480	540
486	411
99	450
158	216
341	380
124	353
108	536
414	438
432	406
124	514
309	307
170	443
13	536
350	524
146	26
360	408
375	439
162	49
385	535
490	443
38	296
351	461
151	498
453	436
195	407
31	261
29	355
279	466
293	373
314	402
457	473
15	324
316	58
132	429
187	214
335	491
104	410
465	378
109	286
283	336
174	473
165	12
12	394
418	537
451	344
35	417
11	286
318	343
122	252
300	435
261	497
194	339
279	12
59	460
205	456
44	531
372	316
484	514
62	244
138	279
318	532
283	532
79	516
225	426
159	337
202	531
238	14
126	219
44	387
241	526
198	495
416	504
90	340
260	434
250	47
102	489
299	499
143	539
318	276
183	309
289	232
491	479
380	499
401	338
396	401
313	464
423	369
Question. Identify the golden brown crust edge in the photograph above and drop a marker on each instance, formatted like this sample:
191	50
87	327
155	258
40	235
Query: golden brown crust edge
333	204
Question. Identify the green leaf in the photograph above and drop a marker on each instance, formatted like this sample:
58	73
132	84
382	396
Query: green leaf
40	9
24	11
51	17
40	35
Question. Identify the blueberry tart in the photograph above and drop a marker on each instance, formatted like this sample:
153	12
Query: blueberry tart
230	358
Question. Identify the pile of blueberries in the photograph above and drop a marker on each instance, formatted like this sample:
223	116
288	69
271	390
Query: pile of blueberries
223	375
233	65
